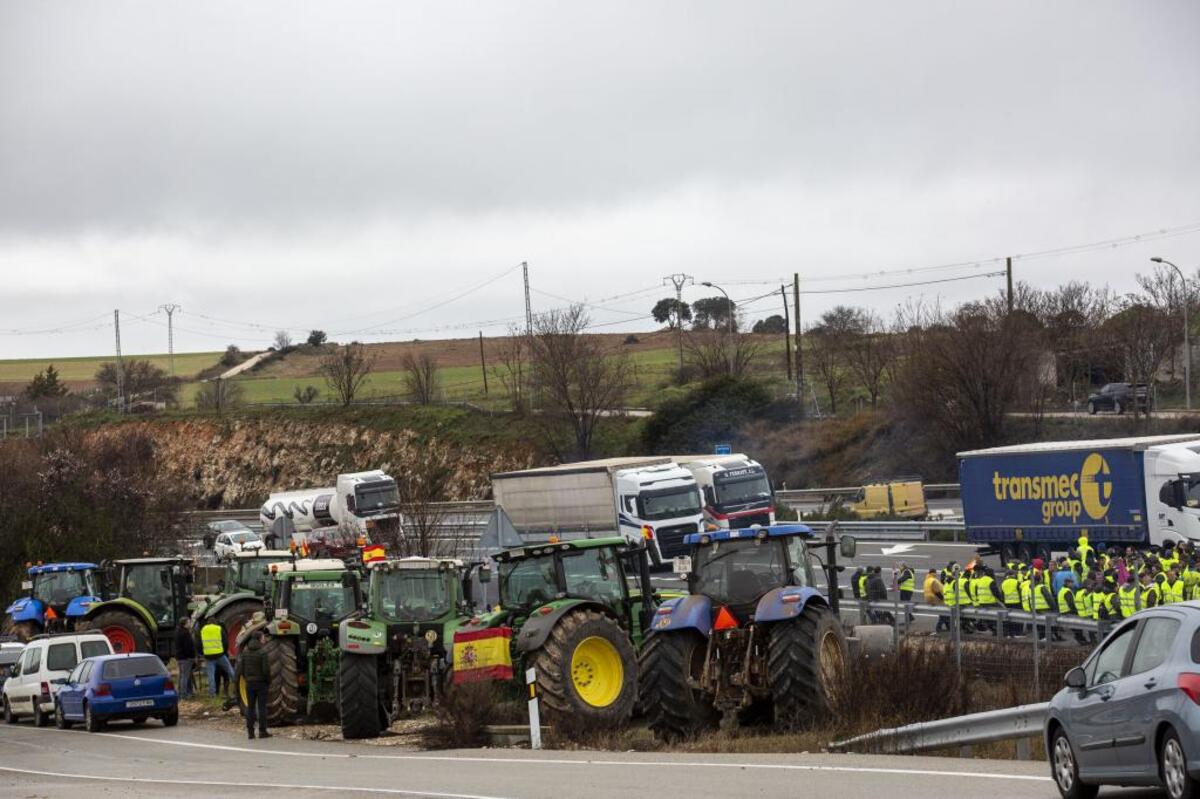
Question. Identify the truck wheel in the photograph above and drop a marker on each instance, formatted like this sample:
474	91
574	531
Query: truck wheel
671	666
586	672
806	663
126	632
233	620
284	703
359	707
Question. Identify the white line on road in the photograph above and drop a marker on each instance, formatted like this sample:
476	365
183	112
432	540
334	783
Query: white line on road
532	761
215	784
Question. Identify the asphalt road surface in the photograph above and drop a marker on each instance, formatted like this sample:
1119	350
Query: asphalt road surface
191	762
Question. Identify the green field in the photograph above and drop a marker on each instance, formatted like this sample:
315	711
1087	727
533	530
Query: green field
84	369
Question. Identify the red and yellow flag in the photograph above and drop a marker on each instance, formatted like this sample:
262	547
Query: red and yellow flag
372	553
483	655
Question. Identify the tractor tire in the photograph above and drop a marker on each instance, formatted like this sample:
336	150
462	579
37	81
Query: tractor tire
125	631
284	703
361	712
586	673
233	620
24	631
669	666
806	664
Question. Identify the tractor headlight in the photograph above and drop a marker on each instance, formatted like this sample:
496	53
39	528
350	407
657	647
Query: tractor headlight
430	636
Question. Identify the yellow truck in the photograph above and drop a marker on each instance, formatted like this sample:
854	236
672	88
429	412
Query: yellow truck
903	498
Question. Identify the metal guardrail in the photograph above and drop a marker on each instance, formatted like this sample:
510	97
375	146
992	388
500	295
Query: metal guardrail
1014	723
892	531
999	615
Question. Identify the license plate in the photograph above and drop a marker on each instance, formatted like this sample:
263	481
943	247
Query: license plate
140	703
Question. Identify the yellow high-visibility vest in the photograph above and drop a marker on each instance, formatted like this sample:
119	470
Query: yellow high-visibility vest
210	640
1011	588
1129	601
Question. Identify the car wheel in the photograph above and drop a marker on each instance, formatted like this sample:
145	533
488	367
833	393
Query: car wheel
39	715
1092	408
60	720
1119	408
1172	765
9	716
1065	770
91	722
171	718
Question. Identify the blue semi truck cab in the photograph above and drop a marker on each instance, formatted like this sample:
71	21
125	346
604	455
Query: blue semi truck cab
1033	499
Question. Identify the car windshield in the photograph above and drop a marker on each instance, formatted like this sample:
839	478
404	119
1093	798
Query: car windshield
375	498
752	488
319	599
531	581
242	537
140	666
740	572
670	504
414	594
1112	388
59	588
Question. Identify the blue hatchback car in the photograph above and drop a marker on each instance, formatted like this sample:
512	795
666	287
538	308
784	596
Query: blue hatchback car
130	686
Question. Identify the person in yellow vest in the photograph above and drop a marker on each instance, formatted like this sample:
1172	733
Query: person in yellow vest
1172	588
965	596
1087	555
950	592
213	646
1083	607
984	593
1151	594
1130	597
934	594
906	582
1010	590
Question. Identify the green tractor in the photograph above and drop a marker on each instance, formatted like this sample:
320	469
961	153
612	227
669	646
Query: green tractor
578	611
309	600
151	597
395	653
243	592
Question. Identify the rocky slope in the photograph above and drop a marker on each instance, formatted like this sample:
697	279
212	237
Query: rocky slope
235	463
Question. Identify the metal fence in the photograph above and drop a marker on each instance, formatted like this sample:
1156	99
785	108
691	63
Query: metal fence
1015	723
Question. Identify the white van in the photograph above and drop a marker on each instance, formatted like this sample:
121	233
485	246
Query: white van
43	667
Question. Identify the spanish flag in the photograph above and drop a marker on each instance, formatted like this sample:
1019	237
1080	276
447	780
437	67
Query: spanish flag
372	553
483	655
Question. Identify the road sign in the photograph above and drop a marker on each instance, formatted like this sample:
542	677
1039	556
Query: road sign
722	449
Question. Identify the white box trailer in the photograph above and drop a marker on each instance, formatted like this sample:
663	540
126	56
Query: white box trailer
640	498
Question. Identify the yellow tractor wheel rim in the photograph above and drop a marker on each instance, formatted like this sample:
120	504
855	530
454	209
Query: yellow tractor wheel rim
597	671
242	692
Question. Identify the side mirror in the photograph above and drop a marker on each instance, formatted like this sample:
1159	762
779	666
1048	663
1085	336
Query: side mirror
847	546
485	573
1076	678
260	587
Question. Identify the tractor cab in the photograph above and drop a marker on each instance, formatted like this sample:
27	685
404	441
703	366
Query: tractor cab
58	594
249	572
146	599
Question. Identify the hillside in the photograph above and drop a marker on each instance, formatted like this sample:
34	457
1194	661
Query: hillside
80	373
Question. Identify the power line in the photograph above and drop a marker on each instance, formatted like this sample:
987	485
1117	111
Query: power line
905	285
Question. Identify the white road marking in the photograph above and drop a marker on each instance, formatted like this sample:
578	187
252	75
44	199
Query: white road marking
540	761
896	549
216	784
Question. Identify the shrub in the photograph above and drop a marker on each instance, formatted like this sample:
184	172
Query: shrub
711	413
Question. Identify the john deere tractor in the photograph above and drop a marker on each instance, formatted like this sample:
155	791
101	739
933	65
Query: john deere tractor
243	592
577	611
753	634
150	601
310	599
395	653
59	595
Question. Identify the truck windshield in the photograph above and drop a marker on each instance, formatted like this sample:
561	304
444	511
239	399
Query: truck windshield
415	594
752	488
320	599
533	581
59	588
371	498
739	572
671	503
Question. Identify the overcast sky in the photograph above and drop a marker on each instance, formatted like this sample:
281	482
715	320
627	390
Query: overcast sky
354	166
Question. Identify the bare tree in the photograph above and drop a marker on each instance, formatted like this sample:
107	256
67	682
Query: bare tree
420	377
829	344
716	353
283	341
869	352
577	379
424	484
512	371
1144	336
345	369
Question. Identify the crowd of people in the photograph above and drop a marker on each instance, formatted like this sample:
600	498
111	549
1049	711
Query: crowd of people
1100	584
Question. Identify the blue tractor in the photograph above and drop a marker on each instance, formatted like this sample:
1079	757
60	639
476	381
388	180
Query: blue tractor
60	594
753	636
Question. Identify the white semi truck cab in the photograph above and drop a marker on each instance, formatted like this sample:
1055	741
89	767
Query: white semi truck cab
735	488
364	502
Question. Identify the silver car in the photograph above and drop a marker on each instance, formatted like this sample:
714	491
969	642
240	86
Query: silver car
1130	715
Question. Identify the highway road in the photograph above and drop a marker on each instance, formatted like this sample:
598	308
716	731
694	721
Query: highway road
194	762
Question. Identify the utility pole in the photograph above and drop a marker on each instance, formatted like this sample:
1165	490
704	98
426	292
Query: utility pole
528	306
799	343
170	308
120	363
1008	270
679	280
787	333
482	363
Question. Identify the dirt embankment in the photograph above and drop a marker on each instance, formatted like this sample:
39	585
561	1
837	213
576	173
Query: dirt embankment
236	463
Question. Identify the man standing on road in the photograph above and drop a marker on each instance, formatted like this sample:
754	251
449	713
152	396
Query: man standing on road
213	646
185	656
252	667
